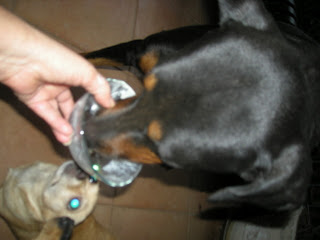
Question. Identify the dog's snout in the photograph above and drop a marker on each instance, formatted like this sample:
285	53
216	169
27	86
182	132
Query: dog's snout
73	170
104	122
81	175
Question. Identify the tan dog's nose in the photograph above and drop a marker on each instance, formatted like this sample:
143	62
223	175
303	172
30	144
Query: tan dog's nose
73	170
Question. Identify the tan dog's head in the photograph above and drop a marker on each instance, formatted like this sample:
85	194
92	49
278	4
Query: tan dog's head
38	192
70	192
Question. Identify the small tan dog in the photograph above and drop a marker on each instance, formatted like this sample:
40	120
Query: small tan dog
42	201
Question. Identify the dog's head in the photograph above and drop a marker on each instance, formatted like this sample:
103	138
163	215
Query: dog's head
192	91
70	192
41	191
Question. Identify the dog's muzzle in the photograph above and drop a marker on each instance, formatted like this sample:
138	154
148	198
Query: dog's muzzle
115	173
73	170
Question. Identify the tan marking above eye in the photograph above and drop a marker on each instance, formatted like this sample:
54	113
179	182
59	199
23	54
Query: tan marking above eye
148	61
155	130
124	146
150	82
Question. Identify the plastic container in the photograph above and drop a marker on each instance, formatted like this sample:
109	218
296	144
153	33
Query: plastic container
115	172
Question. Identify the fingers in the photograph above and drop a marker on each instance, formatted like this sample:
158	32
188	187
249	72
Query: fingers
45	66
65	103
101	91
63	138
59	65
71	69
49	112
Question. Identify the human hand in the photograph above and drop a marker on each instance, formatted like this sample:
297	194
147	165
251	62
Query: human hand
40	71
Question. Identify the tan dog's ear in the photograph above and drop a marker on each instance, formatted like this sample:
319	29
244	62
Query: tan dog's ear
32	205
57	229
148	61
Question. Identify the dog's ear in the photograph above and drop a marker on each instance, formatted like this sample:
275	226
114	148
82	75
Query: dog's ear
27	197
251	13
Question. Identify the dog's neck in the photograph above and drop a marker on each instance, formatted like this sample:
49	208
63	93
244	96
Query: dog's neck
26	232
19	227
26	228
25	223
312	74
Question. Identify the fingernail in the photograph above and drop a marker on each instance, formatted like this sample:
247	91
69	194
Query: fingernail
101	79
110	102
67	134
67	129
68	143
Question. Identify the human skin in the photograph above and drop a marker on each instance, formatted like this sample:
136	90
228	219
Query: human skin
40	72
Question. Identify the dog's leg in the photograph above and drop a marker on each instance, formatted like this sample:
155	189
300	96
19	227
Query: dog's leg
283	185
145	54
57	229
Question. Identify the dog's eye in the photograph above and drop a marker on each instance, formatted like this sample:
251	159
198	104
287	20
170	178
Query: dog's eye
74	204
92	179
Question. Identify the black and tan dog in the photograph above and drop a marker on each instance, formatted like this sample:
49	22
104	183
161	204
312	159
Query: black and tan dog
240	98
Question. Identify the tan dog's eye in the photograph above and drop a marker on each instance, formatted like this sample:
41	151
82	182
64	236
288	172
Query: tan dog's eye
74	204
93	179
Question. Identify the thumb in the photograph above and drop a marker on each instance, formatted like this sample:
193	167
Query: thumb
101	91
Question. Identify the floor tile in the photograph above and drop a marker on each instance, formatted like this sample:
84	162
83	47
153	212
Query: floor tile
25	138
160	15
106	194
167	14
204	229
198	201
103	214
194	12
8	4
202	185
5	232
137	224
85	24
156	188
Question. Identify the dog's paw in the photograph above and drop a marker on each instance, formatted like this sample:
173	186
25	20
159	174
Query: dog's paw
57	229
258	194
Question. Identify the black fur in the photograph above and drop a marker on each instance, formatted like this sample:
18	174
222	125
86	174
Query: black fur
66	225
240	98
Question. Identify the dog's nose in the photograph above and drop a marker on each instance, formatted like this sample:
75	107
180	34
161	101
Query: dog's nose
81	175
73	170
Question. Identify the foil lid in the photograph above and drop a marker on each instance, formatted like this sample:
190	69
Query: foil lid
115	172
